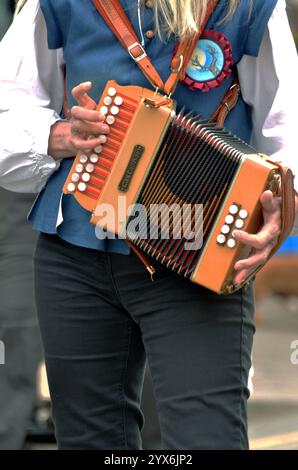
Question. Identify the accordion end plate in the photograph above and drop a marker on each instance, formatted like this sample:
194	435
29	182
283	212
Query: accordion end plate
228	288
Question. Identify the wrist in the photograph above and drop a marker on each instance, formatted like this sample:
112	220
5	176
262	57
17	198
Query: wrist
59	145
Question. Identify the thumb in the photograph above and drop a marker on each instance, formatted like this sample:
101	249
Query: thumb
80	94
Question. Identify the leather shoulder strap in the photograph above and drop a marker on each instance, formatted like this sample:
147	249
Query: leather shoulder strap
115	17
117	20
184	52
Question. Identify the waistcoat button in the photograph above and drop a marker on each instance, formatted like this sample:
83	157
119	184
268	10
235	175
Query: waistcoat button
149	34
149	4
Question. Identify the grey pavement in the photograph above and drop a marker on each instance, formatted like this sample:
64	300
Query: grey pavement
273	407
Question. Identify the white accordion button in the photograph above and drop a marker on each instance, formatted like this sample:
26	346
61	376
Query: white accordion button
243	214
110	120
79	168
118	100
71	187
103	138
94	158
104	110
83	159
229	219
90	168
75	177
234	209
86	177
82	187
221	239
231	243
225	229
114	110
239	223
108	101
112	91
98	149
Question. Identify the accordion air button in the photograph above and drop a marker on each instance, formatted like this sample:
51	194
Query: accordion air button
98	149
239	223
225	229
71	187
118	100
234	209
94	158
104	110
114	110
112	91
79	168
231	243
75	178
108	101
110	120
229	219
90	168
221	239
82	187
243	214
86	177
83	159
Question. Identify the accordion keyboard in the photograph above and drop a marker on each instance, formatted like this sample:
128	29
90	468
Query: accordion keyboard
91	170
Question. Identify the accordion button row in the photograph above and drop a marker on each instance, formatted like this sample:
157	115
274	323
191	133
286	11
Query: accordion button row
235	209
235	219
81	187
82	175
222	240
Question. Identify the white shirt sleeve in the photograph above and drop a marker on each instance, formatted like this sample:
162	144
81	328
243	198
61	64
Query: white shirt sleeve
32	88
269	85
31	99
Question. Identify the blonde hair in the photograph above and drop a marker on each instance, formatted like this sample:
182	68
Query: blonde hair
183	17
19	6
179	17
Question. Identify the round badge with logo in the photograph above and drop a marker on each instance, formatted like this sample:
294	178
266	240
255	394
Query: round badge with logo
210	63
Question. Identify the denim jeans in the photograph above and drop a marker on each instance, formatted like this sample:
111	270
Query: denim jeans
101	316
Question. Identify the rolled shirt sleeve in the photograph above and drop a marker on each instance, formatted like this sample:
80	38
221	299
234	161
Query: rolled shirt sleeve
31	100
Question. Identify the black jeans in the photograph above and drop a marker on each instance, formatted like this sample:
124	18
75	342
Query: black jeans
101	316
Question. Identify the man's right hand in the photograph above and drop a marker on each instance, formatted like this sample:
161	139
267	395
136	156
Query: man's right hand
69	137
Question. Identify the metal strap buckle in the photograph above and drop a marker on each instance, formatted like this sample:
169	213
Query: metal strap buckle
140	57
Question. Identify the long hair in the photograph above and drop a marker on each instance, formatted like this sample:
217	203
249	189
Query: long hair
19	6
179	17
183	17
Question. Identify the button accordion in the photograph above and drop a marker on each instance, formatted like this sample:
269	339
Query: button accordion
156	158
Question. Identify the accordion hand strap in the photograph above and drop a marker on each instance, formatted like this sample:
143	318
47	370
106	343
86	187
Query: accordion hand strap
115	17
287	195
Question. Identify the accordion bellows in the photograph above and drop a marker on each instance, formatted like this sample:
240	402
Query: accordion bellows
158	160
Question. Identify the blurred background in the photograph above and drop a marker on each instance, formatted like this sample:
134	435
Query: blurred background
25	409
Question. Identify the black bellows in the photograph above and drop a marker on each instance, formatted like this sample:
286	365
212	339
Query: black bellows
195	165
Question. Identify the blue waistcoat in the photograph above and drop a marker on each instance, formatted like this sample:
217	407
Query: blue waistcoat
92	52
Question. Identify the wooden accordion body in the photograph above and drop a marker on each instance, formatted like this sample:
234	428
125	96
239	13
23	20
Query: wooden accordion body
154	157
